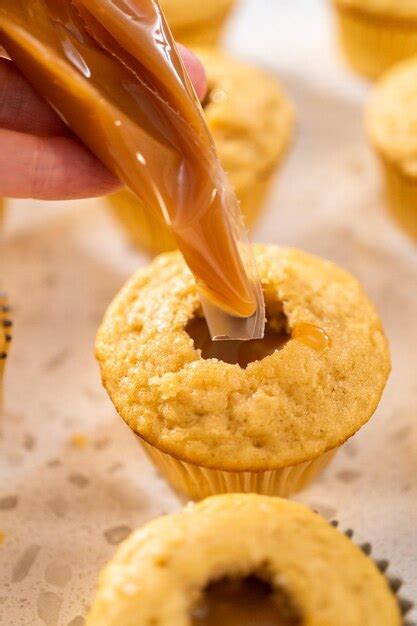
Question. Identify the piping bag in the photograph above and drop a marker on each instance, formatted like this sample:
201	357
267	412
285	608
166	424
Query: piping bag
111	70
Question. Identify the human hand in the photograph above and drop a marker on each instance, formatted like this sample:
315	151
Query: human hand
39	157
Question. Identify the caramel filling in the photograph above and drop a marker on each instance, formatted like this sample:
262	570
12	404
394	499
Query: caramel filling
112	71
241	352
244	602
245	352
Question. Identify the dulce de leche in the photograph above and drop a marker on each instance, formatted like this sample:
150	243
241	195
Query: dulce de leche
111	69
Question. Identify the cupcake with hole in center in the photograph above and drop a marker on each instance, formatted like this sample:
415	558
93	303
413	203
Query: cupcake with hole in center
252	124
265	415
376	34
391	123
197	23
242	559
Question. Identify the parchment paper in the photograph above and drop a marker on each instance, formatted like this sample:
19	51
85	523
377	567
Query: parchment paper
73	481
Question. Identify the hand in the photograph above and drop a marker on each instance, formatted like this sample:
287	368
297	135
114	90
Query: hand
39	158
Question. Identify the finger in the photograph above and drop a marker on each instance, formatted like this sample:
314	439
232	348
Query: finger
50	168
196	71
21	108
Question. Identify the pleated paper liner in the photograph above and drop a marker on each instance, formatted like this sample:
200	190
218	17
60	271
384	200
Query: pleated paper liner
402	198
394	581
374	43
198	482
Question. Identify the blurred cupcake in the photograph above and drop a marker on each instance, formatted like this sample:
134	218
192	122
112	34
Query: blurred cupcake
242	559
252	124
197	23
5	337
391	123
262	416
375	34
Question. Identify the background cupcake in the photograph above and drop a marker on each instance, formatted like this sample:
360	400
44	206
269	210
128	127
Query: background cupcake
197	23
391	123
262	416
242	559
252	123
375	34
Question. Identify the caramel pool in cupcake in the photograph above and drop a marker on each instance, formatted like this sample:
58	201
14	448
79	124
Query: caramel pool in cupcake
391	123
252	123
376	34
197	23
264	416
242	559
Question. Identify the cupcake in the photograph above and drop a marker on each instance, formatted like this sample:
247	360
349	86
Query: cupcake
262	416
242	559
5	338
391	123
375	34
197	23
252	128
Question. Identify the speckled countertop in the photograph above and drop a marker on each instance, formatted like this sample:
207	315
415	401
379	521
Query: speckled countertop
73	482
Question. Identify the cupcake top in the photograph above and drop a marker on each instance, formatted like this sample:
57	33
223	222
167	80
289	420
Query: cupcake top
316	575
184	13
391	117
383	8
249	115
286	408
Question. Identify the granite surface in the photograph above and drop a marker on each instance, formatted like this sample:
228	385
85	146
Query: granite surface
73	481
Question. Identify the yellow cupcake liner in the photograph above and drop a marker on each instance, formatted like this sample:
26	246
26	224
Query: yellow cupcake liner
148	232
143	228
402	198
206	33
199	482
373	43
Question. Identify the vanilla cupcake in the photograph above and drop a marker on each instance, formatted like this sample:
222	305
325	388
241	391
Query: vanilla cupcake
391	123
263	416
252	124
375	34
197	23
242	559
5	338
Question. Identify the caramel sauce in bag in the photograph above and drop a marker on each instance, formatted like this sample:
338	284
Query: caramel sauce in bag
111	69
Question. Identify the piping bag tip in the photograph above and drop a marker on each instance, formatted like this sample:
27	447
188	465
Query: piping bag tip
224	326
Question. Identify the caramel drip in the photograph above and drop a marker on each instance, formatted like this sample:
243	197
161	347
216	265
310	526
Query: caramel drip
112	71
312	336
